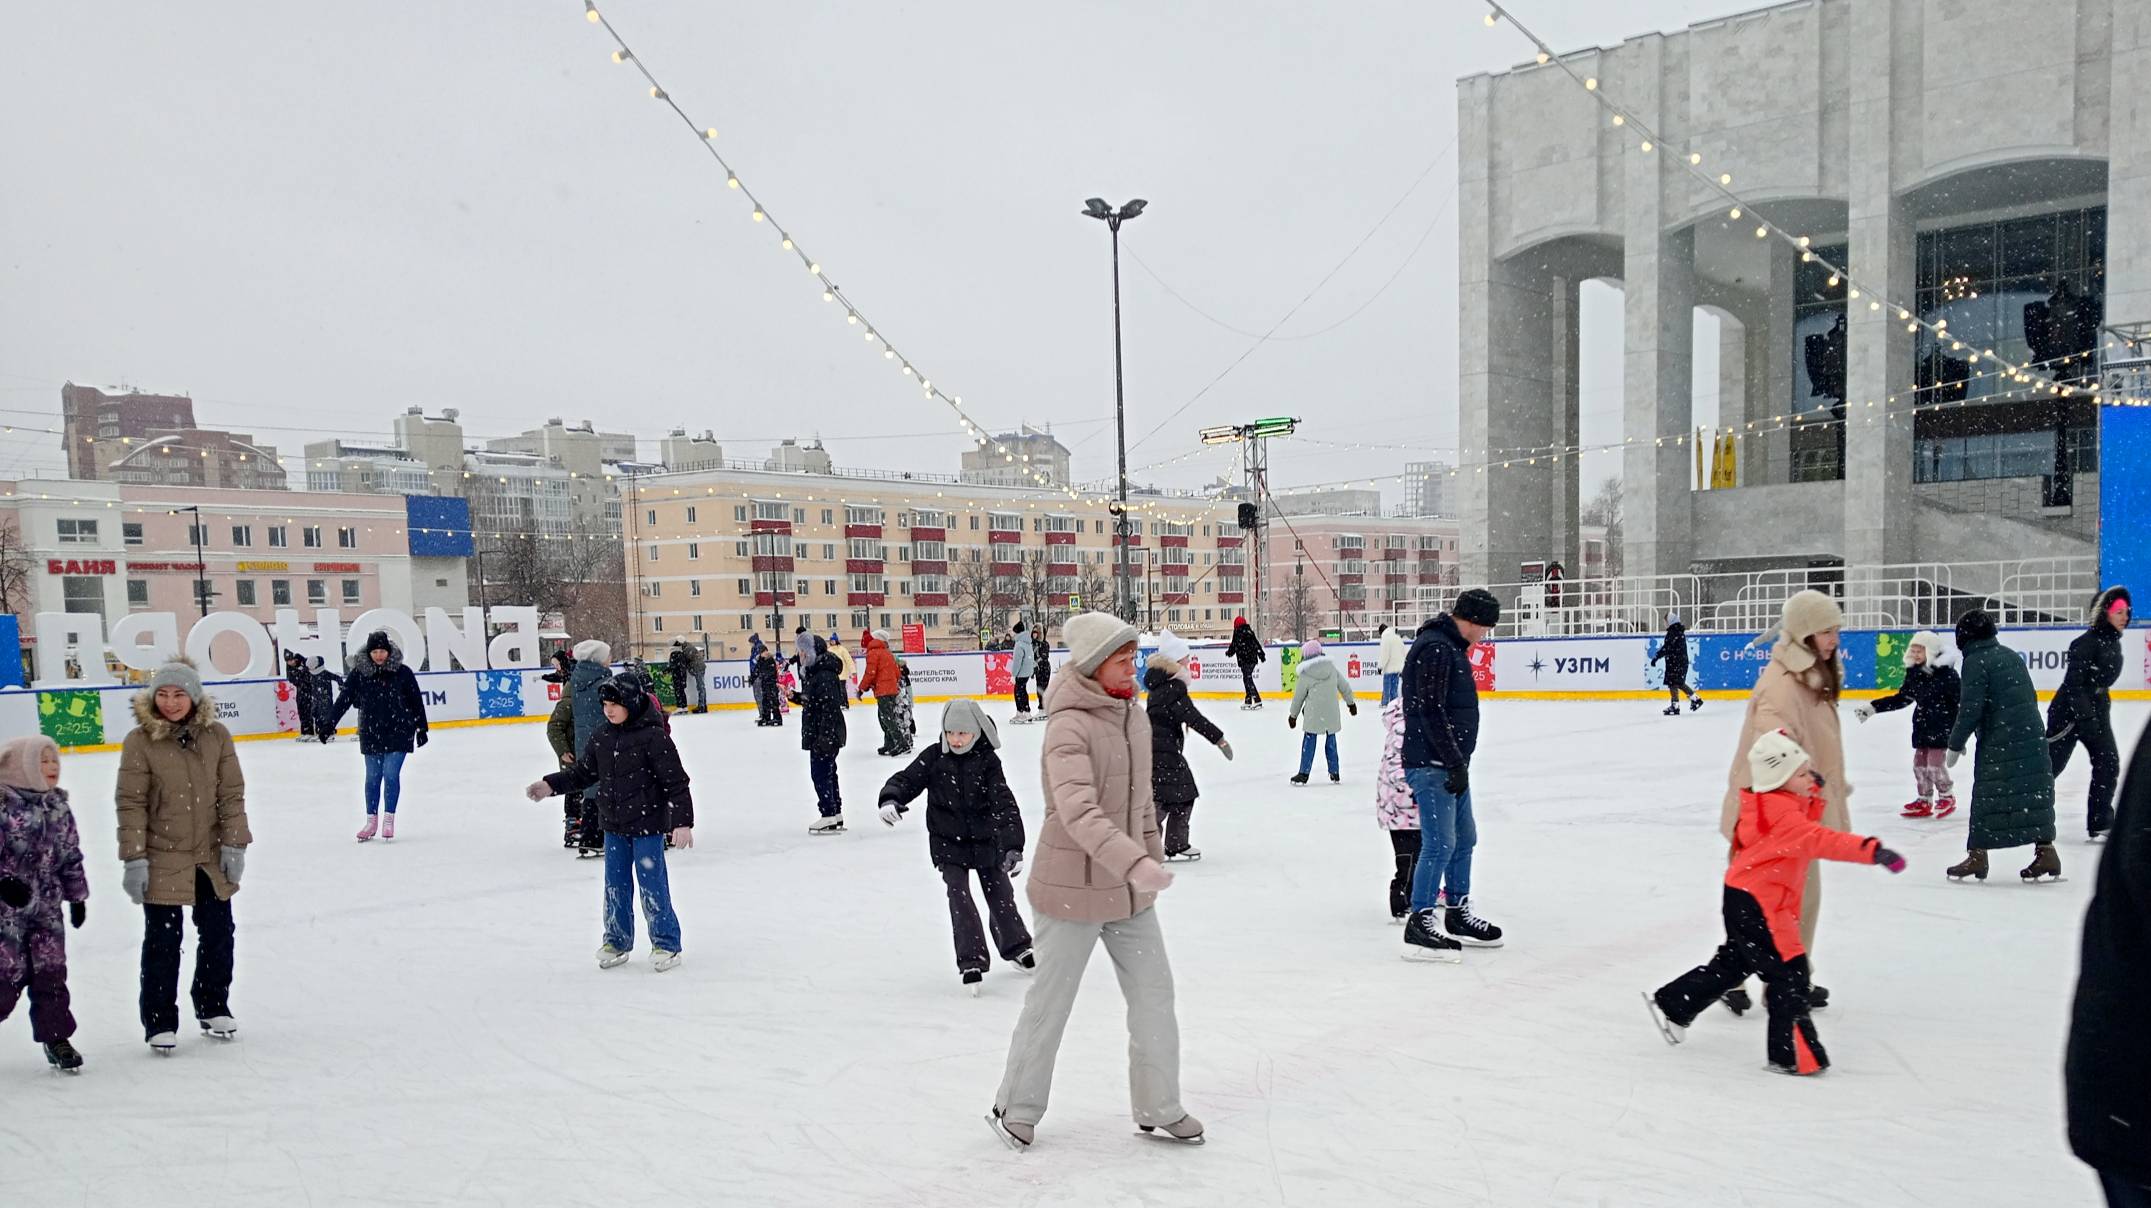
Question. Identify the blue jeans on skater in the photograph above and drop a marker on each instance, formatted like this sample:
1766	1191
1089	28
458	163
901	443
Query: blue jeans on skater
1307	749
629	862
384	778
1447	834
1392	682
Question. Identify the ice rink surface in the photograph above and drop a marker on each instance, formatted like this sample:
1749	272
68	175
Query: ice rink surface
423	1022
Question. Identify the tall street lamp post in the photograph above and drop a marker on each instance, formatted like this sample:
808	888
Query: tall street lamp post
1097	208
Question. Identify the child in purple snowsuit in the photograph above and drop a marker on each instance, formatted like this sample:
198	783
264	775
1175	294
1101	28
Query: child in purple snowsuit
40	867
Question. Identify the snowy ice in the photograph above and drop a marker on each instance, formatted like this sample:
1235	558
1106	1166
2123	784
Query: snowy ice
423	1022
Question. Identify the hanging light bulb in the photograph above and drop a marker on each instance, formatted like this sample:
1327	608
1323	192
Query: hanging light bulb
1543	56
815	268
709	132
1591	84
1734	213
1490	19
787	243
1618	120
828	296
1762	232
1646	146
621	55
1695	157
758	215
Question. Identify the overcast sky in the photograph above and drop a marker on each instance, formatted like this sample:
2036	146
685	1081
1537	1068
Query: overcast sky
312	216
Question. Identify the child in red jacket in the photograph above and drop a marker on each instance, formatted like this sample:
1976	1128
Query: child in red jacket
1778	836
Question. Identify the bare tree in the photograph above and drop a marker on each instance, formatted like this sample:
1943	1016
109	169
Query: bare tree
578	574
15	564
1605	509
971	586
1299	604
1095	589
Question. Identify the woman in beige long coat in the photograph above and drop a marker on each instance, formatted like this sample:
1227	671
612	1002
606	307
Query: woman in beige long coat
183	838
1096	876
1798	693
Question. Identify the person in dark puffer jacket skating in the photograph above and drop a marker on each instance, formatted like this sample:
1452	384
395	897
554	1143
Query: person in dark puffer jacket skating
2012	780
631	767
392	724
1172	715
973	829
2082	712
1931	686
1674	651
1441	731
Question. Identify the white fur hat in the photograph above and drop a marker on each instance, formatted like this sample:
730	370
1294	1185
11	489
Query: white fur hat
1929	641
1173	646
1773	760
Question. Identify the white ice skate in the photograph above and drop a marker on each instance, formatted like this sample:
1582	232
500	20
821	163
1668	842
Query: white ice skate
163	1043
220	1027
1673	1032
663	961
610	957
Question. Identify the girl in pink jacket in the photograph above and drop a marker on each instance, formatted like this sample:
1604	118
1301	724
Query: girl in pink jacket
1395	810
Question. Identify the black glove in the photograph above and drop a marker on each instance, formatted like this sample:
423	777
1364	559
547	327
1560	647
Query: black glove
1889	859
419	739
1292	723
14	893
1012	863
76	912
1458	781
1352	707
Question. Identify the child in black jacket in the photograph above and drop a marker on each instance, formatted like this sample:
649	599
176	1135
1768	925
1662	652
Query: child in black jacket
642	800
973	828
1931	687
1172	714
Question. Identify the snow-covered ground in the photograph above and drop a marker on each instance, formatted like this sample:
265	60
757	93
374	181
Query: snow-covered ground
423	1022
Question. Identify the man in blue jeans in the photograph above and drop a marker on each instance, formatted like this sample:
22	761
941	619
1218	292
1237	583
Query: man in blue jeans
1441	730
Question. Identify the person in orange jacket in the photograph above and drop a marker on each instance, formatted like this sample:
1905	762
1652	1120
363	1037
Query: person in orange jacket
1779	834
883	680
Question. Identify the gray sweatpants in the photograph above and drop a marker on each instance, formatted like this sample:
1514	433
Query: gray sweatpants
1137	949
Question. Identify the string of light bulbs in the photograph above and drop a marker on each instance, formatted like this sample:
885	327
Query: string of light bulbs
1649	140
854	316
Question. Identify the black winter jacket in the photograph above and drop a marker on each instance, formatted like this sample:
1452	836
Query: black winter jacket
762	677
2107	1073
1441	699
641	785
823	700
1674	650
1172	715
1245	648
392	713
1932	692
971	815
2094	666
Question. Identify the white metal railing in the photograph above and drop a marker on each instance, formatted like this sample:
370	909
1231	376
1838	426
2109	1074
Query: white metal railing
2020	592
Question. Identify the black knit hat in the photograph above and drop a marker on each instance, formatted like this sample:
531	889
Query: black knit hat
627	692
379	640
1974	626
1477	606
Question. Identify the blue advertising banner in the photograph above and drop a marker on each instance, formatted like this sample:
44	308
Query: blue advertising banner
10	651
1724	662
2125	495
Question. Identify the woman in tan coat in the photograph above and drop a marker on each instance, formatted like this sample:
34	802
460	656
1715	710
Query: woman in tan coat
1096	876
183	837
1798	693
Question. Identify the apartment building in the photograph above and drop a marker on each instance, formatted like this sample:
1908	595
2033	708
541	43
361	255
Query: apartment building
716	555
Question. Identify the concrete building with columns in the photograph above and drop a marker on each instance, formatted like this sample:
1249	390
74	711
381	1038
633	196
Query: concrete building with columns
1983	162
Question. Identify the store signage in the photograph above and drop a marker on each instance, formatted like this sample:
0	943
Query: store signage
336	568
81	566
72	647
263	566
191	568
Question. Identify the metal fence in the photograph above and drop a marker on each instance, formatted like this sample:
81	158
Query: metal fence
1931	595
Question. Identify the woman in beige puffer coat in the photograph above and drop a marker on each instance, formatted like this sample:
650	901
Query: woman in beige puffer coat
1096	876
183	838
1798	692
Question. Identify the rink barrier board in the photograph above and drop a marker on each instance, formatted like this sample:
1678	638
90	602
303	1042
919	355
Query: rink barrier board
1722	667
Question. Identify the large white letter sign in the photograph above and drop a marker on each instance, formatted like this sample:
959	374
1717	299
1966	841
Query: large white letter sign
399	625
448	643
260	655
517	643
79	633
325	643
145	641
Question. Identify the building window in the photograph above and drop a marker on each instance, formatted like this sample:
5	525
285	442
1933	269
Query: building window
694	549
347	538
197	534
828	552
651	516
310	536
653	552
746	620
974	523
78	532
137	593
739	513
691	520
694	587
829	588
242	535
245	588
884	620
83	593
746	587
132	533
698	622
739	549
828	515
804	587
657	624
280	592
799	515
279	536
351	591
317	591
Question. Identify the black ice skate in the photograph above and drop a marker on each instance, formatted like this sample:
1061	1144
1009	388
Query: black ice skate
1737	1001
1694	703
1672	710
1674	1033
1425	942
63	1057
1299	778
2045	866
973	979
1974	865
1467	928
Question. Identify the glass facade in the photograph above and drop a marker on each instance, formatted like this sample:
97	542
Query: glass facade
2030	290
1818	401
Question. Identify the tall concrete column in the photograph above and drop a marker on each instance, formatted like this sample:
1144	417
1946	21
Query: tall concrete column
1565	504
1766	453
1878	452
1658	328
2128	171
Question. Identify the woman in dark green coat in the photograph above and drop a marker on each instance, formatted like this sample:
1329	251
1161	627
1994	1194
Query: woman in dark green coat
2012	780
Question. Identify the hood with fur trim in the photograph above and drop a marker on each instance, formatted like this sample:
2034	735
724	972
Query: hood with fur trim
2104	601
153	723
361	661
1169	668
